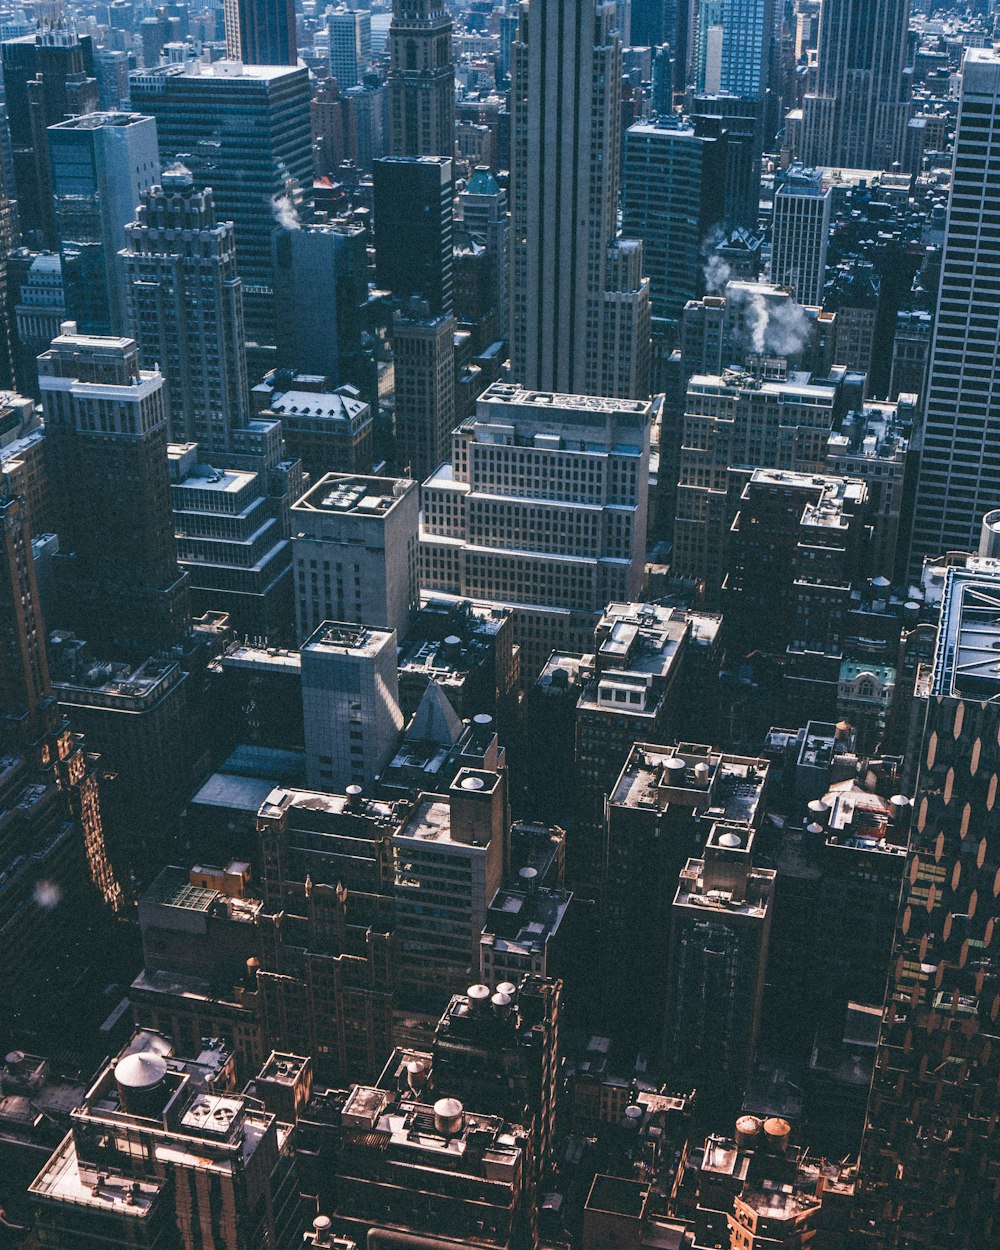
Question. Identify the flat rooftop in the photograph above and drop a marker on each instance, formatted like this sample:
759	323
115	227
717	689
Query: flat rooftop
967	657
345	494
65	1179
726	788
347	638
508	395
99	121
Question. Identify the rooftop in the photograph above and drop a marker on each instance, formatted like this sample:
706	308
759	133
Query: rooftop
509	395
966	661
720	787
350	494
324	404
343	638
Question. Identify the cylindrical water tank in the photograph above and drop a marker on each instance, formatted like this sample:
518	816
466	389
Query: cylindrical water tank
747	1130
777	1133
449	1116
989	537
139	1078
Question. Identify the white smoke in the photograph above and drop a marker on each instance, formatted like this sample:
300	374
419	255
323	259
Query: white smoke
717	274
285	212
769	324
787	330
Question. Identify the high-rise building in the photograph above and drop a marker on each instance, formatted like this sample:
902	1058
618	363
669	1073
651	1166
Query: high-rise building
120	587
350	35
47	77
101	165
39	309
741	119
733	46
261	32
421	80
482	207
959	462
231	519
719	937
355	552
49	794
858	114
423	349
25	693
243	131
565	157
413	229
111	71
186	309
671	201
151	1159
626	356
320	286
930	1147
495	522
450	858
350	704
731	420
803	205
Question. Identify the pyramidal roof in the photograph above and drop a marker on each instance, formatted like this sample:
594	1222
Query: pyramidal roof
482	182
435	719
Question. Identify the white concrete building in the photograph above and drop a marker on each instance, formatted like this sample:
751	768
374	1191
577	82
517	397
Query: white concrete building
350	704
543	508
354	552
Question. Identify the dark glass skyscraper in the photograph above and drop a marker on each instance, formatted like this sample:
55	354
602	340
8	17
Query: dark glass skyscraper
47	77
413	228
119	584
101	164
261	32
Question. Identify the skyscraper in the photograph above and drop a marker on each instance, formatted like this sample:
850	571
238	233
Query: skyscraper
185	302
423	350
737	59
320	286
25	692
261	32
350	704
421	80
350	33
960	463
930	1147
47	77
857	117
413	229
802	210
566	146
120	587
244	131
101	165
673	195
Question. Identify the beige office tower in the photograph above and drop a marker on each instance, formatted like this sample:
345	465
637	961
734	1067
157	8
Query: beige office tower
543	508
566	69
421	80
